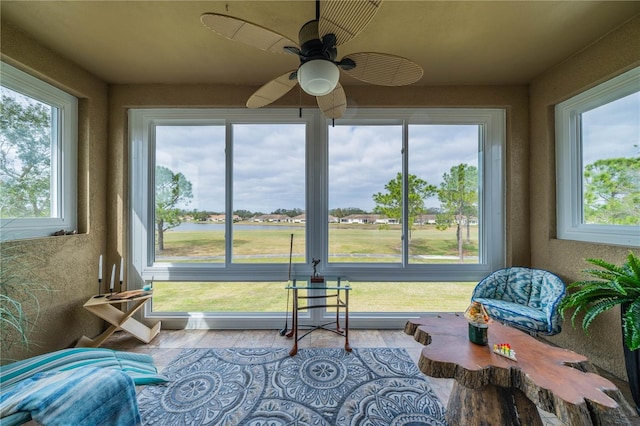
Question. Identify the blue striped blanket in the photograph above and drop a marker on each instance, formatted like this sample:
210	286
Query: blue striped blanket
138	367
86	396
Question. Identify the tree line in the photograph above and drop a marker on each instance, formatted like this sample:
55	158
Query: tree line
457	193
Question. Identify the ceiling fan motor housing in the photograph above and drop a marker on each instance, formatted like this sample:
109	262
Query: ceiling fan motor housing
312	47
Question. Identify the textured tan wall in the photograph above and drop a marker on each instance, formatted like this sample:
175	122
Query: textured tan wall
617	52
68	265
513	98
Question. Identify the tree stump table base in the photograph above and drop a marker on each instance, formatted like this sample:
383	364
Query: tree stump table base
493	390
490	405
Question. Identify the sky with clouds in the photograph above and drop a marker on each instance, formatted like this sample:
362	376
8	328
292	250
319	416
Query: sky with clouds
612	130
269	159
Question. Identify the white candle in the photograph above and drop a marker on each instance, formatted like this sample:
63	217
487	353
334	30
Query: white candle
121	270
113	277
100	269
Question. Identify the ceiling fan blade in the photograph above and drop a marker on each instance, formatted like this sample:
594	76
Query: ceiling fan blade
383	69
272	91
346	18
334	104
246	32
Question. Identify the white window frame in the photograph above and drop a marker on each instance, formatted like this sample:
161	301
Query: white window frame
570	224
492	137
491	163
63	158
491	123
142	123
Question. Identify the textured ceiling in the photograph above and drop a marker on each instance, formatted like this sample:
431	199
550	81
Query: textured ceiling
456	42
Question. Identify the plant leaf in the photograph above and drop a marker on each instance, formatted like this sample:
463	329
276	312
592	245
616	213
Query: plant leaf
596	309
631	325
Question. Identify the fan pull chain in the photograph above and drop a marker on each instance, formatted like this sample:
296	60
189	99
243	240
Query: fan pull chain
300	101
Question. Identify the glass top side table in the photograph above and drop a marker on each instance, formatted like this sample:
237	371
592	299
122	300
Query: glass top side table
333	291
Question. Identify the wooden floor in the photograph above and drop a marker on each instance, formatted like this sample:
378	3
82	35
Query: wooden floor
168	344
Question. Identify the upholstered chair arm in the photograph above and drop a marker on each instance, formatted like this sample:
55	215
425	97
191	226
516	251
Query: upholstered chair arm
552	292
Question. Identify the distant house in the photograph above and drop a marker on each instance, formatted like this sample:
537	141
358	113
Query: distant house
383	220
272	218
464	220
360	218
302	218
430	219
424	219
222	218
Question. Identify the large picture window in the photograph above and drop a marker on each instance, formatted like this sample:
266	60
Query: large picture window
598	163
38	146
397	202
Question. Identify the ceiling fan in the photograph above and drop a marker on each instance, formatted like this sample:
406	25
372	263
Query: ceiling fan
336	23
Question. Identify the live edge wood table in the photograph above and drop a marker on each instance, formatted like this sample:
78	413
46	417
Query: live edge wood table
490	389
102	306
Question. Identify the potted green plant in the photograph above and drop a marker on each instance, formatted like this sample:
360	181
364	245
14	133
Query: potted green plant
611	285
21	290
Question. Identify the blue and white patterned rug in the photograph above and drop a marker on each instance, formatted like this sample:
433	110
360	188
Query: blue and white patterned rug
267	387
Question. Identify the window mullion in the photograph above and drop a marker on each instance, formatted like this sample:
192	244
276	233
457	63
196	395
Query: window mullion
405	193
228	245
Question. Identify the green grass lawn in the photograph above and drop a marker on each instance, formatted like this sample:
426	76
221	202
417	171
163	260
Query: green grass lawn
272	297
347	243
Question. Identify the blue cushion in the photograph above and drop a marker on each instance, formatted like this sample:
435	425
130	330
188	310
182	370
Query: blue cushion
515	314
521	296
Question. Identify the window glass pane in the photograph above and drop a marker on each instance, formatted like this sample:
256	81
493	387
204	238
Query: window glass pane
219	297
365	204
28	140
444	194
190	194
365	297
611	162
410	296
268	192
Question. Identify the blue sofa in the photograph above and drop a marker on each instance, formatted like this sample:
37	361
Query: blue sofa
524	298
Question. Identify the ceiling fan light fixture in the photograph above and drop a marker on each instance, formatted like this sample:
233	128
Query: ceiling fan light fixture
318	77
